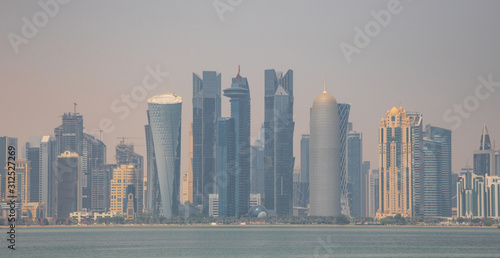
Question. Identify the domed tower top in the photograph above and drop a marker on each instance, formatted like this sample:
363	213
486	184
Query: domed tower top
325	97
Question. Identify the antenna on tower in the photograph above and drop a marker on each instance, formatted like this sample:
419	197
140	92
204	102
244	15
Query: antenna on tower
74	108
324	83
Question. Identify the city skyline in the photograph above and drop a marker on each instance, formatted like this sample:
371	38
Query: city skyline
228	128
440	74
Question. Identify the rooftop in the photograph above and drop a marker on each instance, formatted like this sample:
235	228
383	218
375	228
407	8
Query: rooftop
169	98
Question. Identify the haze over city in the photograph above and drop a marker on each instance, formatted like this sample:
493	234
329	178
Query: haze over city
427	59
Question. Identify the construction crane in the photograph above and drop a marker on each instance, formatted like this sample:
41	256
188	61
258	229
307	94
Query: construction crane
123	139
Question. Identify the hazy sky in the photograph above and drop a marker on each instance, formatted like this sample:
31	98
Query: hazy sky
427	58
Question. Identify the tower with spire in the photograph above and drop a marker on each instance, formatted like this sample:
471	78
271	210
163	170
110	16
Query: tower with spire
324	157
239	94
484	158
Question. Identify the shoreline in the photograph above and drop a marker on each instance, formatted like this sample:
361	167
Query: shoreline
240	226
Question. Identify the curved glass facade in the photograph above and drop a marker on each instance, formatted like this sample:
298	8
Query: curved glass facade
165	124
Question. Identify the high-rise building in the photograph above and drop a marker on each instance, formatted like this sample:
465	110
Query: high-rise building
215	209
125	155
396	159
152	200
32	154
5	143
484	158
454	180
466	169
278	139
343	117
164	115
431	199
69	178
206	112
374	193
497	162
186	187
417	164
354	162
213	205
21	181
101	190
257	171
301	190
226	159
435	190
478	196
187	178
470	196
125	176
492	196
69	135
48	189
365	186
130	205
94	155
239	94
324	157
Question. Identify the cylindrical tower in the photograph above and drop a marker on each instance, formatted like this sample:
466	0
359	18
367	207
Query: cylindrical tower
165	112
324	157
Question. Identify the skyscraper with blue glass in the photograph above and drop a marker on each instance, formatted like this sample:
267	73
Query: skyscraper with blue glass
206	112
484	158
226	155
354	176
165	113
239	95
435	194
343	121
278	133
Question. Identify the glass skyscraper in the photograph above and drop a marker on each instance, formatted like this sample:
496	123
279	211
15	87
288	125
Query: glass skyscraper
365	186
152	197
226	155
484	158
257	176
343	117
101	191
48	173
302	182
165	113
417	165
354	161
278	139
94	155
69	184
206	112
69	135
436	188
374	199
239	94
32	154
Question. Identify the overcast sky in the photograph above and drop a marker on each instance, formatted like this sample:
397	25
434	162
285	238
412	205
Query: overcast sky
427	58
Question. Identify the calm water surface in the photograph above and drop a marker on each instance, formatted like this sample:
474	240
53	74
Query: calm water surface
254	242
